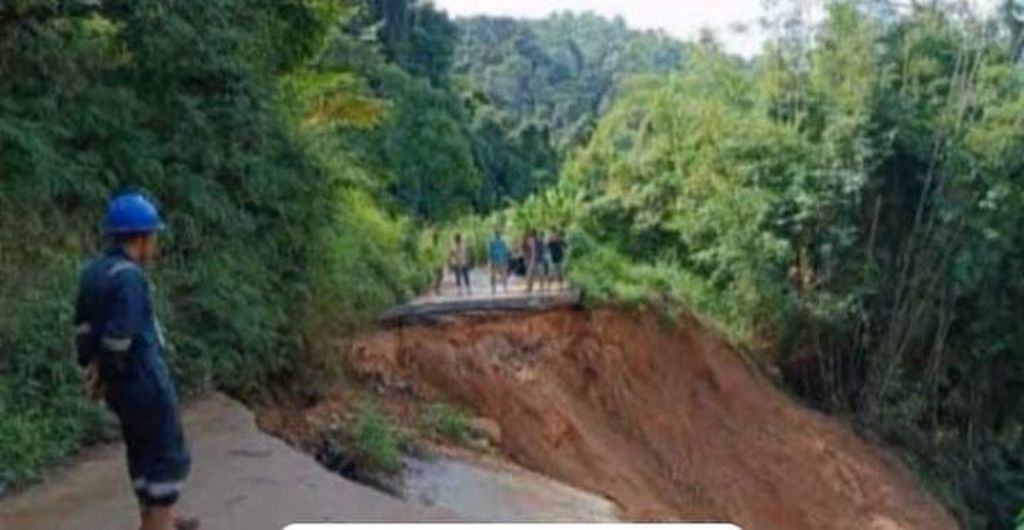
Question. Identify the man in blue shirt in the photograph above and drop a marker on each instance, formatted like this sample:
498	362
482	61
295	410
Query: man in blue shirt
497	257
120	346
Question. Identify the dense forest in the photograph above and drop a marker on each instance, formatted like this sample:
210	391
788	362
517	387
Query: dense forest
222	112
845	205
559	73
852	200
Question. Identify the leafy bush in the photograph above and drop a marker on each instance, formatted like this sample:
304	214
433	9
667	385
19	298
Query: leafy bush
267	225
447	422
605	276
370	260
856	197
376	442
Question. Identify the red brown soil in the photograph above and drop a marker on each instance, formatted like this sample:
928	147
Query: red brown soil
666	420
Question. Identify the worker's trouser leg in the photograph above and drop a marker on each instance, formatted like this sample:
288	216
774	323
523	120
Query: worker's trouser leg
158	460
499	272
462	277
558	273
438	280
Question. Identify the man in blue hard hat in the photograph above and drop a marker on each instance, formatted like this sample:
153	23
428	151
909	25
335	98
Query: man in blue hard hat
120	346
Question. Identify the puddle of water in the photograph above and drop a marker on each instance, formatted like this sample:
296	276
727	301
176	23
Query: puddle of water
504	494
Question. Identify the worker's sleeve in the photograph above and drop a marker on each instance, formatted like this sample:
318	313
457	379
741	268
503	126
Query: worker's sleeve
125	310
85	340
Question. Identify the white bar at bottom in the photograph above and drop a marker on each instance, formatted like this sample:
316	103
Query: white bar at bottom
514	526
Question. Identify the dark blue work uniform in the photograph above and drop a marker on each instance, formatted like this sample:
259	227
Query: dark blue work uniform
117	330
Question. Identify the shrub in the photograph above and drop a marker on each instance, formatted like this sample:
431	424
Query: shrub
447	422
376	442
263	233
606	276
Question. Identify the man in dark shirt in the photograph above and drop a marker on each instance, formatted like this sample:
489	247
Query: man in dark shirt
556	248
120	346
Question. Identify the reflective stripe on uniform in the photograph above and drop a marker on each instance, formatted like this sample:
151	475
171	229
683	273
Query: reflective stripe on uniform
159	334
139	484
162	489
83	329
121	266
116	344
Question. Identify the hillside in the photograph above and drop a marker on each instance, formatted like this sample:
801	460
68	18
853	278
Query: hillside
561	72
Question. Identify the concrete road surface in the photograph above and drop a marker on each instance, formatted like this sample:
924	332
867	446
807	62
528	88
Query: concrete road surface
242	479
481	299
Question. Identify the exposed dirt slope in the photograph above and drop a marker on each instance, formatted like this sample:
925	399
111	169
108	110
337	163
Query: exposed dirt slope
665	420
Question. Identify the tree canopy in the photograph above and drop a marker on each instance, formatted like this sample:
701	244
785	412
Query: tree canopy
853	197
561	72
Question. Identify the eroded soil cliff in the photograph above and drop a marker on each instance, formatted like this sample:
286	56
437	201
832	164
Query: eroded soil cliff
663	418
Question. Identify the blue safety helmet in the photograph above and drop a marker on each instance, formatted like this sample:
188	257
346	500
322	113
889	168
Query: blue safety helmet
131	213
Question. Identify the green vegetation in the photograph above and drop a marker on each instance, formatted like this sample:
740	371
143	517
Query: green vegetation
448	422
212	108
557	74
372	446
178	101
367	449
856	197
376	443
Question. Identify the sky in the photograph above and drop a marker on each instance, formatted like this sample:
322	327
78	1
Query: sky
680	18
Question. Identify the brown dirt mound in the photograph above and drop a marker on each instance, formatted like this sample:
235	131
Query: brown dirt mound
666	420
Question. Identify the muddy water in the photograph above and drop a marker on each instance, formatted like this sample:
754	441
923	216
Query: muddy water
488	491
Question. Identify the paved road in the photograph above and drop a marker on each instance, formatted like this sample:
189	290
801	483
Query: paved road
485	489
450	301
243	480
480	281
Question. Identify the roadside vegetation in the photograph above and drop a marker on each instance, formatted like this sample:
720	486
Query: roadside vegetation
371	445
369	449
447	423
377	442
851	199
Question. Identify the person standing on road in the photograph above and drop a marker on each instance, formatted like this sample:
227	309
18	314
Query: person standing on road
497	258
556	250
544	261
458	259
120	347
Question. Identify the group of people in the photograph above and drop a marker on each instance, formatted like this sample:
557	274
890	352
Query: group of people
540	259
